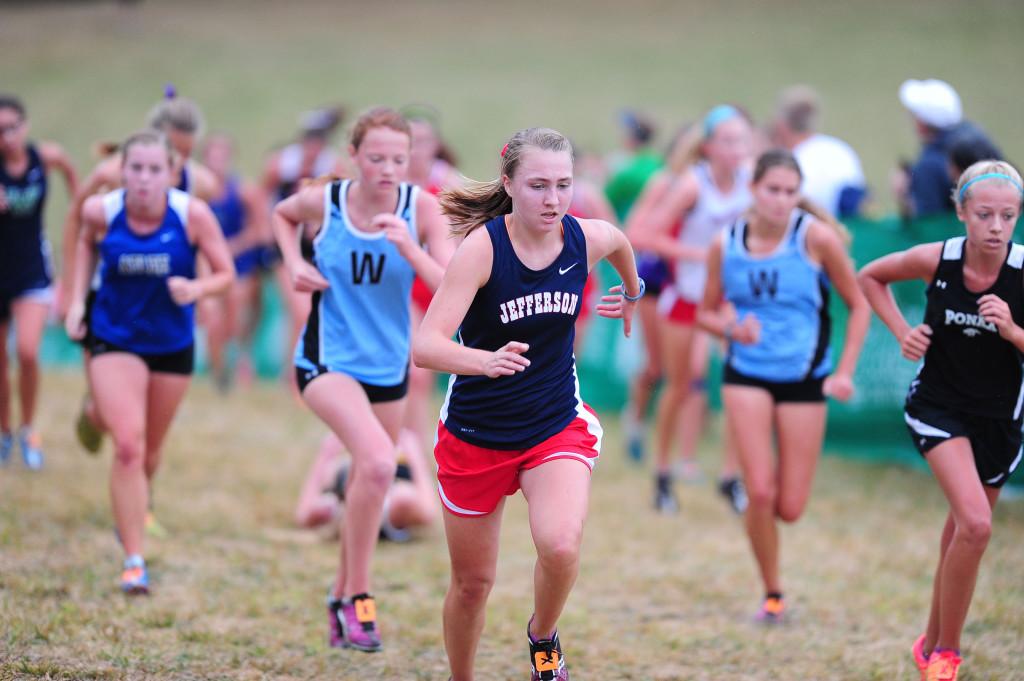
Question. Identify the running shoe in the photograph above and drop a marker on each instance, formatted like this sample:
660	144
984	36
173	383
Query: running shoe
634	432
920	659
772	611
734	492
134	578
664	498
546	659
358	623
335	637
89	435
943	665
153	527
31	448
6	447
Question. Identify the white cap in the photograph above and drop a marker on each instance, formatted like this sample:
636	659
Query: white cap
933	102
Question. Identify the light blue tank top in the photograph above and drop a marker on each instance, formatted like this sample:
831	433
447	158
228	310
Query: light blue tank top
788	293
360	324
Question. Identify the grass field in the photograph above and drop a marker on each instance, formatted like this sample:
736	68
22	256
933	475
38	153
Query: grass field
239	594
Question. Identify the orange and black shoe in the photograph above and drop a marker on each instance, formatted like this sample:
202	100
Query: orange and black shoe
943	665
920	658
546	658
773	610
358	622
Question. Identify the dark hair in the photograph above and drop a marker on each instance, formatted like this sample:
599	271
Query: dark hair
12	102
967	149
641	129
783	158
475	203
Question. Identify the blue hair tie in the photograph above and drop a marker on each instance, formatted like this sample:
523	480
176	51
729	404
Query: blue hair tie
169	91
989	176
720	114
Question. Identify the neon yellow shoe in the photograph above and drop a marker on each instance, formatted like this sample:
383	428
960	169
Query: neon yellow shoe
153	527
89	436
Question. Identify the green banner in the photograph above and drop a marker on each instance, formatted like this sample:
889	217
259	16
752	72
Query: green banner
870	425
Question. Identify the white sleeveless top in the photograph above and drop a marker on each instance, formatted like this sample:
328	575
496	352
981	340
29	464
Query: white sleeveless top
713	212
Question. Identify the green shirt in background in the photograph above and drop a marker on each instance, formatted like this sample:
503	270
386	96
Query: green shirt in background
627	182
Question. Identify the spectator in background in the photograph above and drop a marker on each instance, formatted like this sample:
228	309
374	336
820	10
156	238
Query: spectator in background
967	148
924	187
631	174
833	176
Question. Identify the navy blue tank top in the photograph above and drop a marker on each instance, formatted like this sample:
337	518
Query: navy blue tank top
133	308
537	307
229	209
24	251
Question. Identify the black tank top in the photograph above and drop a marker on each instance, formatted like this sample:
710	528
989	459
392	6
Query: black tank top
24	252
969	367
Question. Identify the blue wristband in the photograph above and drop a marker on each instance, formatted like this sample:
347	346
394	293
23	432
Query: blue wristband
633	299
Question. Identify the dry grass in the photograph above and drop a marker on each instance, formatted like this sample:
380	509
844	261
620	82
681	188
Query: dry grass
238	594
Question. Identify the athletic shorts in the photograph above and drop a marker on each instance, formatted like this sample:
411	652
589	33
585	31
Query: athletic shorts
375	393
42	295
807	390
676	309
180	362
472	480
996	443
654	271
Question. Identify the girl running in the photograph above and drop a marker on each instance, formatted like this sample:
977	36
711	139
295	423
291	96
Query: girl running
181	122
146	237
513	417
25	274
352	359
241	212
709	193
775	270
963	409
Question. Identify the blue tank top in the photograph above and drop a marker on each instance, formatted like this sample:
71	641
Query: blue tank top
184	183
788	293
24	250
133	308
538	307
229	209
360	324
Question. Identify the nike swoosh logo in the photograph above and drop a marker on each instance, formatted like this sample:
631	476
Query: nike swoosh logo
561	271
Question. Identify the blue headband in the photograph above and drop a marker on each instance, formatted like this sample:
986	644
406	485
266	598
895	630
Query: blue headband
720	114
989	176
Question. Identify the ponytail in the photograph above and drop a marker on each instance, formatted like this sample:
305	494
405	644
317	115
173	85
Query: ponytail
474	203
826	217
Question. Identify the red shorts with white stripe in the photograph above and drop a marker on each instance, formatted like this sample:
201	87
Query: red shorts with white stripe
675	308
472	480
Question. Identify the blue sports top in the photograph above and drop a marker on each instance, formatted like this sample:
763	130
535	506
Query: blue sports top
24	250
360	324
133	308
537	307
229	210
788	293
